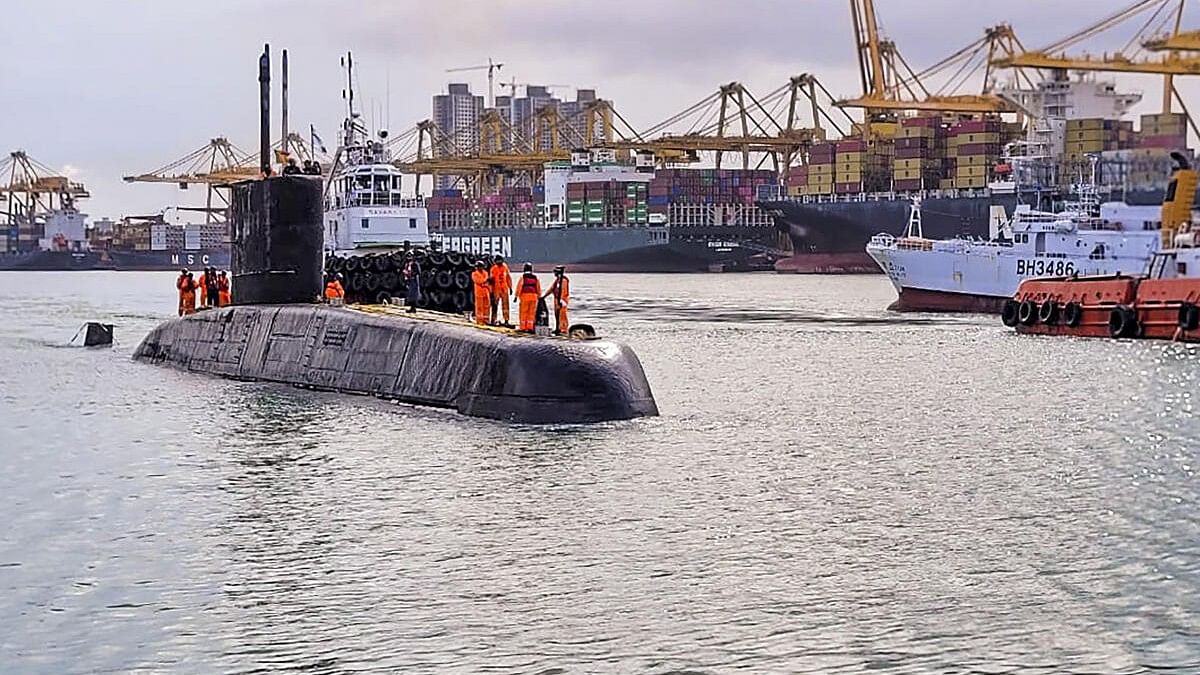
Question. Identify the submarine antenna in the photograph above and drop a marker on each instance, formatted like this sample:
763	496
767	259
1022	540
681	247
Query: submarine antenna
283	109
264	109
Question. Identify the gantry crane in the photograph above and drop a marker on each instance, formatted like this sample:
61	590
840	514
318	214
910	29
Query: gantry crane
1165	17
216	165
890	85
33	191
733	120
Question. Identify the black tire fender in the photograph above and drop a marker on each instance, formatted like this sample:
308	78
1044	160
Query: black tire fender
1048	313
1189	316
1027	313
1072	314
1008	313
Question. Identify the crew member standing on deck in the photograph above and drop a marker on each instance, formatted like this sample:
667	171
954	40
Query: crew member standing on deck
224	296
211	286
529	289
202	287
333	288
187	293
561	290
412	282
501	290
483	296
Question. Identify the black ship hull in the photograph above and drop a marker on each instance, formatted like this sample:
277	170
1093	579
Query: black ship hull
821	231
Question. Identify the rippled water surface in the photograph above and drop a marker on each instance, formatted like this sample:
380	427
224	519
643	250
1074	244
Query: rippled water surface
830	488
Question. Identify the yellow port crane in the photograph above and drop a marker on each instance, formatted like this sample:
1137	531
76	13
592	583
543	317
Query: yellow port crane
501	153
216	165
1165	17
32	191
890	85
733	120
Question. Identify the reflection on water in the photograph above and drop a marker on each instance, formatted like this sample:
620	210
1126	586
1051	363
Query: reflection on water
831	488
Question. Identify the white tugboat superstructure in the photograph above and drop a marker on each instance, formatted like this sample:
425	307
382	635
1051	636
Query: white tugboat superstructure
365	209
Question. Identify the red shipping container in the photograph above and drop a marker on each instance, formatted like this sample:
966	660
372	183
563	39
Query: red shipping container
848	188
975	127
907	184
1169	142
851	146
911	153
927	122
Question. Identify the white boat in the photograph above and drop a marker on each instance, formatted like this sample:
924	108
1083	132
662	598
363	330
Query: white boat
966	275
365	210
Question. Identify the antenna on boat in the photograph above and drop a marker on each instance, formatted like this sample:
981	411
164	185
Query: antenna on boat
914	228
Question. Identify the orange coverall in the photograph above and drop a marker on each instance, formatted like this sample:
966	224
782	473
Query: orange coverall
501	290
483	296
333	290
561	290
528	292
224	297
187	295
202	286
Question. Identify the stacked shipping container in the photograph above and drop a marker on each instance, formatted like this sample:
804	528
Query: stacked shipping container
861	166
819	176
609	202
920	162
975	148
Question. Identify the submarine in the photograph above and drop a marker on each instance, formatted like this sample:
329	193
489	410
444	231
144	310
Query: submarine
278	331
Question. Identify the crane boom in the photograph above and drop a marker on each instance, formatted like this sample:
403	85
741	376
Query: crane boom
1117	63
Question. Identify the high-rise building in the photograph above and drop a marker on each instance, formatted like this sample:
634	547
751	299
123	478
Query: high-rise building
521	114
456	115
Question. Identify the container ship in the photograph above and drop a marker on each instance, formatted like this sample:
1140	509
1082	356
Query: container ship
595	214
146	244
968	172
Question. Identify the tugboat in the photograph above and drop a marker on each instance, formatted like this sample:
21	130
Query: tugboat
1163	303
365	211
972	275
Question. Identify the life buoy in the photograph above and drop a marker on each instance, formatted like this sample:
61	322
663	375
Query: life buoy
1048	313
1122	322
1189	316
1072	314
1008	313
1027	313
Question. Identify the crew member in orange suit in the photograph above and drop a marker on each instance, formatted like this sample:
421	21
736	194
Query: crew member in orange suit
529	290
501	290
333	289
202	286
483	293
224	296
187	293
561	290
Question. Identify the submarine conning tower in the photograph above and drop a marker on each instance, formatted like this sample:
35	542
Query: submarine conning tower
277	236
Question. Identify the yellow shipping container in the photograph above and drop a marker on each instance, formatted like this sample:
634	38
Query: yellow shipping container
970	171
946	183
989	137
1086	123
975	160
963	183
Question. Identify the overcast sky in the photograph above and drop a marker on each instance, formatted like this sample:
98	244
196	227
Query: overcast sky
105	88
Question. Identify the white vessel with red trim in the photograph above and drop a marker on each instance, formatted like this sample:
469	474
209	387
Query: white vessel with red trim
974	275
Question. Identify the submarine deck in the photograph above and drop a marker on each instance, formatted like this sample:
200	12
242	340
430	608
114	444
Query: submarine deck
426	358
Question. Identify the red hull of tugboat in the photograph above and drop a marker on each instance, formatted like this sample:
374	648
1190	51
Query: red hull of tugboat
828	263
1110	307
921	300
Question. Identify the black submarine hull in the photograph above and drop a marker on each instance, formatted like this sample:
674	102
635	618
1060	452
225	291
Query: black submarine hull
424	361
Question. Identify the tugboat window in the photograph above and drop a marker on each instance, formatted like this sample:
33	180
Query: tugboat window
366	223
412	223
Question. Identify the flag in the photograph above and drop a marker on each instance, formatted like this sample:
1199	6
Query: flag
317	139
